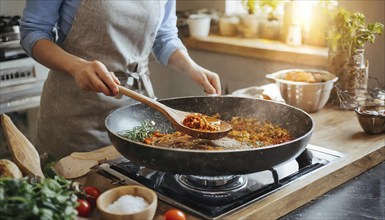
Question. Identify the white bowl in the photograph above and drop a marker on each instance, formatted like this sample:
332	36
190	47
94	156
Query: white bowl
268	92
308	96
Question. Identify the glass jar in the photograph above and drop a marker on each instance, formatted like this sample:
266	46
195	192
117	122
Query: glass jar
357	72
351	70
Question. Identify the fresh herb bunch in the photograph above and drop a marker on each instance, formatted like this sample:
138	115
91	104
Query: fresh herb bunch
349	31
50	198
139	133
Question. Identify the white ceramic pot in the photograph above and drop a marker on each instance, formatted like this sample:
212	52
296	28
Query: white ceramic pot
199	25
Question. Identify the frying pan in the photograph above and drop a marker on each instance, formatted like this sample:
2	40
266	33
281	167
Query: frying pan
211	163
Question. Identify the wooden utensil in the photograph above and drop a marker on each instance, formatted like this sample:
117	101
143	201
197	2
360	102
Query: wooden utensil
78	164
176	117
23	152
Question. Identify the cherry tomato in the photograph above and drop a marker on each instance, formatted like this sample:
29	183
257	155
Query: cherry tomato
174	214
84	208
92	194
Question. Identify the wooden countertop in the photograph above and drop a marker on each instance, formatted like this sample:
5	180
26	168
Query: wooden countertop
260	49
337	130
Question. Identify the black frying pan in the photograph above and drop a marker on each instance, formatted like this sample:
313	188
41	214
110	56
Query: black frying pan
211	163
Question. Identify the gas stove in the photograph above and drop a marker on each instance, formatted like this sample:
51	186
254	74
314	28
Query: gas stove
212	197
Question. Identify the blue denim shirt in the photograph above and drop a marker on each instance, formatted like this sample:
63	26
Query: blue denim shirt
41	17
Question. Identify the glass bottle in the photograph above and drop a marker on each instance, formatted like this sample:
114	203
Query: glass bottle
357	74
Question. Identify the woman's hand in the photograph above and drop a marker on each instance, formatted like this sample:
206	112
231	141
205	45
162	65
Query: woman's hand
94	76
210	81
89	75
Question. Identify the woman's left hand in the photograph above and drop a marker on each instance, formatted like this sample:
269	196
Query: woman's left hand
210	81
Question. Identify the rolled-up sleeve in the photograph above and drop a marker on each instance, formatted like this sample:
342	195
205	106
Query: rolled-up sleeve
38	21
167	41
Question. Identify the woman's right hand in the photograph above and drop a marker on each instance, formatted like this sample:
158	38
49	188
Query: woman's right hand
94	76
89	75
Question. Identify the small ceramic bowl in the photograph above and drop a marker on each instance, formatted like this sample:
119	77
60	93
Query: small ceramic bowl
112	195
371	118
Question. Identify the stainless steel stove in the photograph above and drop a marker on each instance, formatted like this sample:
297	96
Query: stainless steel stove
21	81
212	197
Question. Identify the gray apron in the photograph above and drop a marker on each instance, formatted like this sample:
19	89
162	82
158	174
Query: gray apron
120	34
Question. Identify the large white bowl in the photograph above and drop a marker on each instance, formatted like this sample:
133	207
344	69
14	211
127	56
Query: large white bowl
309	97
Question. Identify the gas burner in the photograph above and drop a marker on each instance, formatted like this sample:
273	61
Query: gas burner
212	197
212	184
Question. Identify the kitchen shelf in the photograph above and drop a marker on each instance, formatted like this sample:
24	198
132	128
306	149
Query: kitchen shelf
260	49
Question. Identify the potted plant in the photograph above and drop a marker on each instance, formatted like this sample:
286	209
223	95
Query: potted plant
347	35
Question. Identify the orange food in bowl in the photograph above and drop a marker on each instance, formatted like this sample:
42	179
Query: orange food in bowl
300	76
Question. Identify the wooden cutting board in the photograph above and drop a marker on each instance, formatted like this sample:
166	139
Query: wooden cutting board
23	152
78	164
25	155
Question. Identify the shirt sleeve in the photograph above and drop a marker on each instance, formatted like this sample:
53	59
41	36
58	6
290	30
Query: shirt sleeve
38	22
167	41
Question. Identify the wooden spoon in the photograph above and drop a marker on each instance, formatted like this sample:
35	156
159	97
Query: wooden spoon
176	117
23	152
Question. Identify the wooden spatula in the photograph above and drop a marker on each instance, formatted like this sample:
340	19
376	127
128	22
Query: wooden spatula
23	152
176	117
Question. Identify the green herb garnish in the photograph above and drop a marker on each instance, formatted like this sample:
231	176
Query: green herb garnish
50	198
139	133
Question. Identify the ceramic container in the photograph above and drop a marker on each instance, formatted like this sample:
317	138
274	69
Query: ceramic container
112	195
199	25
371	118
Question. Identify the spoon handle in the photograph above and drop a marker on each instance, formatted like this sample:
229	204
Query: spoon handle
145	100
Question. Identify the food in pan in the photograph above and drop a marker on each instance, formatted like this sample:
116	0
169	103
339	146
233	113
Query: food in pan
199	121
309	77
247	133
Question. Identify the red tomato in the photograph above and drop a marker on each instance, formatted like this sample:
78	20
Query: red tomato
84	208
92	194
174	214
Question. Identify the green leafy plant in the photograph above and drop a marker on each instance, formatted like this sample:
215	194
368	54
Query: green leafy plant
26	198
264	6
349	31
249	5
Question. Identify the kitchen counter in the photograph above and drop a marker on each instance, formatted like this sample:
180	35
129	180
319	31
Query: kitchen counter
340	131
361	198
261	49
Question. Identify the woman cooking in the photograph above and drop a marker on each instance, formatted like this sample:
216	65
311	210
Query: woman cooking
91	47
